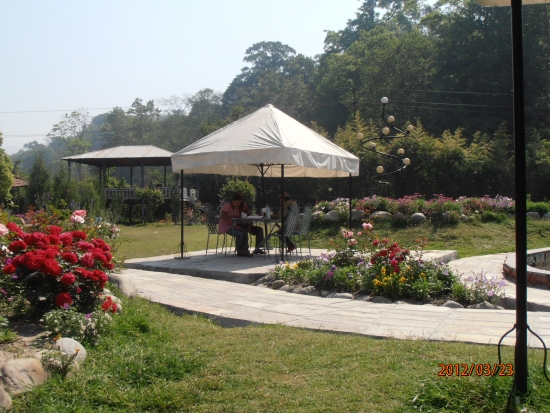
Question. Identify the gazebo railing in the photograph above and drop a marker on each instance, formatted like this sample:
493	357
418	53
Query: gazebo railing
130	193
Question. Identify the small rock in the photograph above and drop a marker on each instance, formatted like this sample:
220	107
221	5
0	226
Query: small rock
380	215
452	304
318	215
20	375
533	215
286	287
381	300
270	277
356	215
546	216
361	298
343	295
277	284
508	303
446	217
486	305
308	290
324	293
69	346
124	284
418	218
332	216
261	281
463	218
5	400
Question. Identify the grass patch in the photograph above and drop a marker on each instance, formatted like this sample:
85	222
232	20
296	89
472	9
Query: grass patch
156	361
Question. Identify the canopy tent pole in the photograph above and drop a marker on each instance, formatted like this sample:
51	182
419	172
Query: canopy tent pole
350	201
282	212
181	212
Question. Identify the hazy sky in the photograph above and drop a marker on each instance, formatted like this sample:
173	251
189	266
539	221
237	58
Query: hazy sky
57	56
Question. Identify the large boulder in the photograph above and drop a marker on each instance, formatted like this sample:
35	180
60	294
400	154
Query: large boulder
356	215
332	216
5	400
533	215
20	375
317	215
380	216
546	216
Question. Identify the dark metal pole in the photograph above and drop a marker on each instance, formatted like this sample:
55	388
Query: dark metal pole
181	212
520	379
282	211
350	201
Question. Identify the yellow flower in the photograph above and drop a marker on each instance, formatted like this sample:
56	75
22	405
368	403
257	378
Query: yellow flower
383	271
387	279
402	279
422	274
377	283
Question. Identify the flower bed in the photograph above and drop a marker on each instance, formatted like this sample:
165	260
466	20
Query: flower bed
364	264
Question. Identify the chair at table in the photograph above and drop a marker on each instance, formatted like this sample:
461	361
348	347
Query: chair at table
212	221
303	228
291	220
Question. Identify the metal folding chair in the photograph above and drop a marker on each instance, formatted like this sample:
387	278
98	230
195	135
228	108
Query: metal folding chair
303	228
291	220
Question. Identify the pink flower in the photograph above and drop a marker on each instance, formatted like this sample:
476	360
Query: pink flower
367	225
359	233
80	213
352	242
3	230
77	219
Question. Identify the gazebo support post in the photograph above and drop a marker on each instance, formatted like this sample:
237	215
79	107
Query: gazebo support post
131	176
69	169
142	186
165	176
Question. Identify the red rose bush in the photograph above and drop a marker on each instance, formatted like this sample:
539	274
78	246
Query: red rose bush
54	268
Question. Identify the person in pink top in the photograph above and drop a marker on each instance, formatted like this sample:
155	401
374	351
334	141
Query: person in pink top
225	226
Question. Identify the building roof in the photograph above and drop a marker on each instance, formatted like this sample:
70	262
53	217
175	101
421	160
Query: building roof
146	155
19	182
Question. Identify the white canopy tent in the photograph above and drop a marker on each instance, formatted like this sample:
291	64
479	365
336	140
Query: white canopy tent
266	137
266	143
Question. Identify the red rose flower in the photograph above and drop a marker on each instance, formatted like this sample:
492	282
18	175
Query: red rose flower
66	239
375	242
394	263
110	266
396	270
54	239
78	290
67	278
99	277
17	245
84	246
79	235
62	299
14	228
109	304
70	257
33	261
83	272
9	269
373	260
87	260
54	230
383	253
51	267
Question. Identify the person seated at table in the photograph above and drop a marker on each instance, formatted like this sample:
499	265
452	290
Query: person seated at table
258	232
225	226
288	205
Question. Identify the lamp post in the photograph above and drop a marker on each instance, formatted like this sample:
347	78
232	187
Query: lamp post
389	132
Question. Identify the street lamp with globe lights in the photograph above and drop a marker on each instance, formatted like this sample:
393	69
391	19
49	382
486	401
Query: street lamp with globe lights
390	131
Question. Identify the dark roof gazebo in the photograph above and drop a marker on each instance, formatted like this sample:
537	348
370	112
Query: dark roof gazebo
142	156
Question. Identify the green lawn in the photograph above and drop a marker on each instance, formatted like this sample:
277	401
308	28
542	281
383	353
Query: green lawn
156	361
469	239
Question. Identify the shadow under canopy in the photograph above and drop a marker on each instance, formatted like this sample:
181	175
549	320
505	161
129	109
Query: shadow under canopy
266	143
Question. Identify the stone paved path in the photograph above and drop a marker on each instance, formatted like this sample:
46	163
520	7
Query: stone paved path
237	304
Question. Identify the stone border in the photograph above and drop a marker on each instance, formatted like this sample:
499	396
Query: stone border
537	259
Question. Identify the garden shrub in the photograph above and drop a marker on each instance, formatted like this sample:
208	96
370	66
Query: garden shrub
234	185
540	207
152	199
488	216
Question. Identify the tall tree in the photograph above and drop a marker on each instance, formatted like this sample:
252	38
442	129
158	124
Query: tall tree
6	175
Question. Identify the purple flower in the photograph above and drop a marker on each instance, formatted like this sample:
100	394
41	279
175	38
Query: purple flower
88	316
66	306
15	277
490	293
4	291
